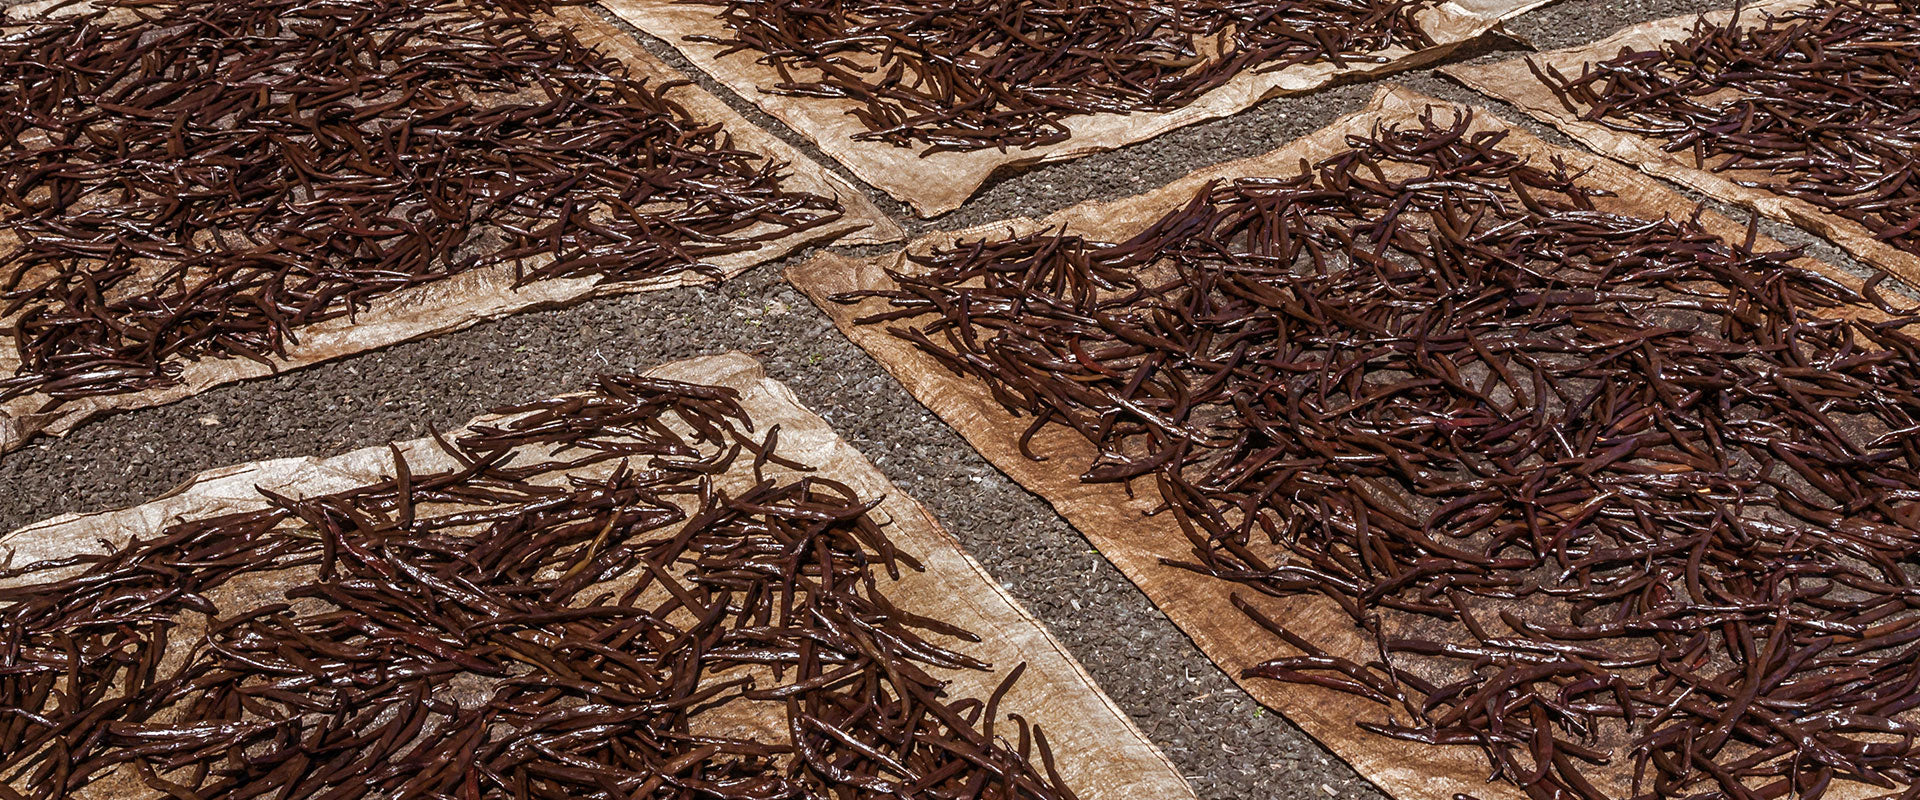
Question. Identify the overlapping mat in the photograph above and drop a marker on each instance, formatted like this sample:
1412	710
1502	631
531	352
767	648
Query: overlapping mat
600	455
934	182
1302	651
1690	130
101	338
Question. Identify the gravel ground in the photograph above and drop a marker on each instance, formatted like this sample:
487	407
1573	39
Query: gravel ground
1227	745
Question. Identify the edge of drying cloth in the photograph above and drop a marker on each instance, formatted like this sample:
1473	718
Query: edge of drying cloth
940	182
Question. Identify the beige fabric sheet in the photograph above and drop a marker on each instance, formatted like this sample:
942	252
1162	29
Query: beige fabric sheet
1101	755
939	183
464	300
1512	82
1116	523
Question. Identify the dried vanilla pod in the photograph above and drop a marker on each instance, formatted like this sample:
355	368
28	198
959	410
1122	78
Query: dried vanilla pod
1820	103
1631	508
578	611
987	74
188	179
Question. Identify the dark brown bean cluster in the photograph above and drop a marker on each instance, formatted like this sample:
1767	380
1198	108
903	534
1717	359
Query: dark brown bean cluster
982	74
1620	503
188	179
598	620
1822	104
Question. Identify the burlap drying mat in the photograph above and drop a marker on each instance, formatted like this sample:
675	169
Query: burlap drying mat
463	300
1101	755
939	183
1115	522
1512	82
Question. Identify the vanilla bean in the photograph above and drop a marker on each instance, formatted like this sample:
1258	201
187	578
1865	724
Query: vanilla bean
973	75
193	179
1820	103
1631	508
601	622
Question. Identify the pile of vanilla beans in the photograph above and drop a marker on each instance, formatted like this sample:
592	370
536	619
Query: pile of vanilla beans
575	610
1821	103
188	179
961	75
1627	506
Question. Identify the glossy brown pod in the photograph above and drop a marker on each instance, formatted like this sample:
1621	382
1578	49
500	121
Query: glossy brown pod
1802	110
203	190
678	584
1011	84
1422	424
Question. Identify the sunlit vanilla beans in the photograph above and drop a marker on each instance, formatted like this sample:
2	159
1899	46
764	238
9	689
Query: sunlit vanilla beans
983	74
601	622
189	179
1628	507
1821	103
